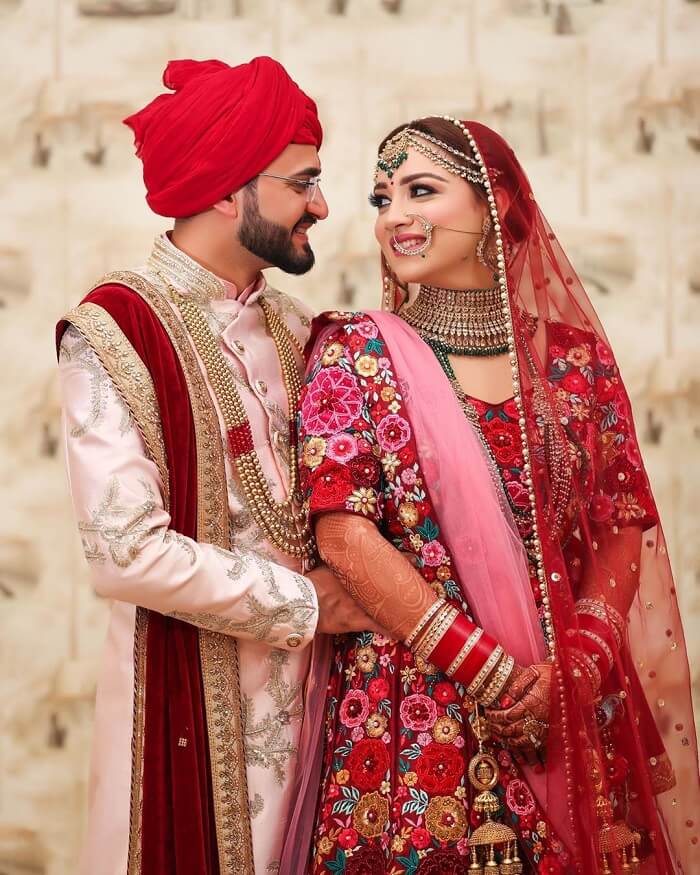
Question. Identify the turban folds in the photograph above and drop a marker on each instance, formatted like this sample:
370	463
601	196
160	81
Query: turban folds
220	128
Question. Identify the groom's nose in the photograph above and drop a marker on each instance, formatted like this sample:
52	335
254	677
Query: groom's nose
318	207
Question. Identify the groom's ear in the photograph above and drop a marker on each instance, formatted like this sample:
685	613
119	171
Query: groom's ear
228	206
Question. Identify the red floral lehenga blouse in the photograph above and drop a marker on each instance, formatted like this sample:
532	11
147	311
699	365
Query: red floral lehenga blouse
395	797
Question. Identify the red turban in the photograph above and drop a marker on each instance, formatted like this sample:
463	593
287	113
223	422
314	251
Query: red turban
221	127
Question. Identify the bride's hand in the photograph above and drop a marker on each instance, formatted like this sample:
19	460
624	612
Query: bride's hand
522	720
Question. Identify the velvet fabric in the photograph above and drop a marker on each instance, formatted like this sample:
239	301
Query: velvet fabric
178	833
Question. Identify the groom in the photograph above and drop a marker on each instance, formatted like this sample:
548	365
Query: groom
180	382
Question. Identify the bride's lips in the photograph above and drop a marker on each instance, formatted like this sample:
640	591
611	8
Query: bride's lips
408	241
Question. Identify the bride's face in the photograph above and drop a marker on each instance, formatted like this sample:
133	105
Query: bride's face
420	188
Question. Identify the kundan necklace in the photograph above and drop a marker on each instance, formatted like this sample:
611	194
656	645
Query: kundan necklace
286	527
462	322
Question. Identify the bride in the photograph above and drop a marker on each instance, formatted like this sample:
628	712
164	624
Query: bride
470	462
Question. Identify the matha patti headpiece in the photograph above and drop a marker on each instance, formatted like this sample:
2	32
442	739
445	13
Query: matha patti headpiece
395	152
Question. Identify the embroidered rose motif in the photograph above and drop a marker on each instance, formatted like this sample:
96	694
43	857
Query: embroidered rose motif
605	356
575	383
367	860
377	689
418	712
446	861
367	329
601	507
331	402
347	838
444	693
439	768
433	553
368	763
393	433
364	470
330	484
341	447
409	477
420	838
504	439
519	798
354	709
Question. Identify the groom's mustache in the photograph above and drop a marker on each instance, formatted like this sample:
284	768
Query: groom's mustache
307	219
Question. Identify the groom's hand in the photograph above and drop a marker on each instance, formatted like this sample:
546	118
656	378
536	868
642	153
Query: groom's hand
338	612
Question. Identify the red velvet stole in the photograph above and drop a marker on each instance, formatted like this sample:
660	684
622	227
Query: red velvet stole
178	827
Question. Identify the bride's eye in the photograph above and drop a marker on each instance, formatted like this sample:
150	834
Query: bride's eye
378	200
419	190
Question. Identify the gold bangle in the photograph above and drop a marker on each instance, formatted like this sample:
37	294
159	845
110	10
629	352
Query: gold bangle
465	650
438	627
424	620
485	671
497	682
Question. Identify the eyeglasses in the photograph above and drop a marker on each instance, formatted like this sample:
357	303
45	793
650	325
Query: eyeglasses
308	186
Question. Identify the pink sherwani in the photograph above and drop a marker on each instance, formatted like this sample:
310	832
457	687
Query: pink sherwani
252	591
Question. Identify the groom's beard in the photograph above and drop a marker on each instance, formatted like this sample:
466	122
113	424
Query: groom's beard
273	242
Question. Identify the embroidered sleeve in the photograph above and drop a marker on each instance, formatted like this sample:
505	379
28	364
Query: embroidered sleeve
601	417
134	555
341	445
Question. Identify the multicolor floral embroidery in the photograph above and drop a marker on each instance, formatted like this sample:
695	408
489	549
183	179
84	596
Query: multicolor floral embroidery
395	796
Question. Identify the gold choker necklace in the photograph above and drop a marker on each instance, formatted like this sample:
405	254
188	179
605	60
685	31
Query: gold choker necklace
462	322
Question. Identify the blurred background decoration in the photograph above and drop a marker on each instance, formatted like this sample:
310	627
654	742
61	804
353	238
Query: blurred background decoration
601	101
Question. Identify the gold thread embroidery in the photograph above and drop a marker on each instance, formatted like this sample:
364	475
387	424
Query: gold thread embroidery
266	743
122	528
76	349
129	375
218	653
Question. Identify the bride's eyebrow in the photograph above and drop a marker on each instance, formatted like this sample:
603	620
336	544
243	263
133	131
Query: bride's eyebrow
411	178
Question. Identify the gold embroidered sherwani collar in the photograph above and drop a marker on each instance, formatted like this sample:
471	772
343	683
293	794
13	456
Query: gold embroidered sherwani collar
190	278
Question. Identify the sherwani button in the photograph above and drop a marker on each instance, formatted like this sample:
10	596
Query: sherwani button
294	640
261	386
238	346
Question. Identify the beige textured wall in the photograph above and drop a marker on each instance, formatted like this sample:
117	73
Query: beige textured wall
567	83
